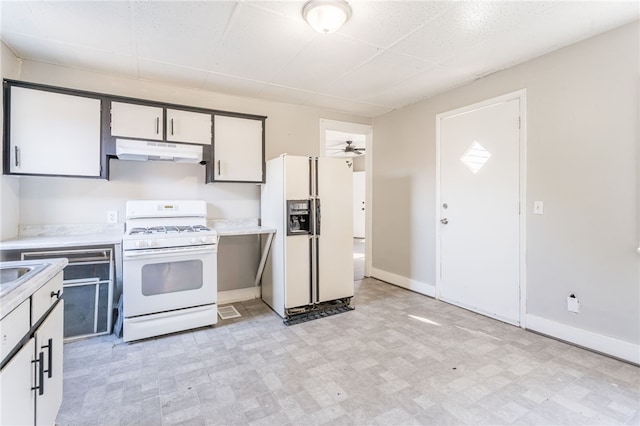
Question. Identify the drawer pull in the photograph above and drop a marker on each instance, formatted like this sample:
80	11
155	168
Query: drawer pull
49	348
56	294
40	361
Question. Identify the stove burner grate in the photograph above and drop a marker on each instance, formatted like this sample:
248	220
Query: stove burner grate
168	229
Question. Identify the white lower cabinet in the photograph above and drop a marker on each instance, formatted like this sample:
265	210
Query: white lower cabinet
49	344
31	381
16	379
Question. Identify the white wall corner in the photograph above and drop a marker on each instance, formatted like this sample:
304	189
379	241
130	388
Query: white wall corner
239	295
588	339
404	282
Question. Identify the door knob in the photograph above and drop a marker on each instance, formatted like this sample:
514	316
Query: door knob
444	221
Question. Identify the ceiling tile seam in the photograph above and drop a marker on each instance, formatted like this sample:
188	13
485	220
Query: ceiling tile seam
270	11
298	53
64	43
290	18
326	95
419	27
439	92
225	32
356	68
92	70
380	49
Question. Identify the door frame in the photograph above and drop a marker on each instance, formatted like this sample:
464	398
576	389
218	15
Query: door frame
521	95
367	130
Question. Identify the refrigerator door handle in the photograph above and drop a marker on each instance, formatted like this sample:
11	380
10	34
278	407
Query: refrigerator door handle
310	177
317	218
312	217
315	179
311	268
317	298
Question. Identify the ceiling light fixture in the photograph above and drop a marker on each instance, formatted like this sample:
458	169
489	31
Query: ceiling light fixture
326	16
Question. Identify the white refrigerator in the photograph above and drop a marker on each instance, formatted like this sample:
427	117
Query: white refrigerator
309	201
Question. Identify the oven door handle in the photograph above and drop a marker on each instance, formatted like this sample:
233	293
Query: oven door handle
149	254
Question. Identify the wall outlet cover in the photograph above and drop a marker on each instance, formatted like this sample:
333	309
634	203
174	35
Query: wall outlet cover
573	304
538	207
112	216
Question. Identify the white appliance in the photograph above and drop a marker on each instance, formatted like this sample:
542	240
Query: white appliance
169	262
138	150
310	266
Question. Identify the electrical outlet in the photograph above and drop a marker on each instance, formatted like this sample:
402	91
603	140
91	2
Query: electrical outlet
112	216
538	207
573	304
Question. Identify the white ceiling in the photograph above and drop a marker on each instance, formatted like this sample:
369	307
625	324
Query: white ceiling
389	55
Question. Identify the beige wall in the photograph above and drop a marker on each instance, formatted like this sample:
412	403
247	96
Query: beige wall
289	128
359	164
9	185
48	200
582	161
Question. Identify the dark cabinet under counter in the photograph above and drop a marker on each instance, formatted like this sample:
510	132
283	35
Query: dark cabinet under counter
87	287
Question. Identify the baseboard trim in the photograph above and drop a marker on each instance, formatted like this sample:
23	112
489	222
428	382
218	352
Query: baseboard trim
239	295
587	339
404	282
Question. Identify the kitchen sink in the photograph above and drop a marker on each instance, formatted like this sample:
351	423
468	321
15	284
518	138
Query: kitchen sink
12	276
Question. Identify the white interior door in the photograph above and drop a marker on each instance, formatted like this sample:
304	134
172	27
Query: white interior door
358	204
479	210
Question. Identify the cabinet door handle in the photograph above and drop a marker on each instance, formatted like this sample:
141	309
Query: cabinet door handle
172	127
16	150
157	125
40	362
55	293
49	347
219	168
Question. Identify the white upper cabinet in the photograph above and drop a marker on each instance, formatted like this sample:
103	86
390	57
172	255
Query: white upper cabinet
188	126
52	133
238	149
136	121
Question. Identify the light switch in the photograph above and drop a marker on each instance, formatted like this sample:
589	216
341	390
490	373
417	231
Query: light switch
538	207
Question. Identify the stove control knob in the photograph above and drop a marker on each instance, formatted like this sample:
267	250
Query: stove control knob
151	243
194	241
141	243
204	239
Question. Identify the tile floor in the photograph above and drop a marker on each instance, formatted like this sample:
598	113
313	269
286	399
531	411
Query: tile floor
398	359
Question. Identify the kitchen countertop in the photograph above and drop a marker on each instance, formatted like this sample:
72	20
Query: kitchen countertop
55	241
61	236
244	230
20	293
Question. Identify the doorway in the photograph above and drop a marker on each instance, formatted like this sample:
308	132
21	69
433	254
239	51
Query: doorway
480	228
354	141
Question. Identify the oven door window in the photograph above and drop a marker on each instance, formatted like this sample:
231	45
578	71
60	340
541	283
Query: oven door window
171	277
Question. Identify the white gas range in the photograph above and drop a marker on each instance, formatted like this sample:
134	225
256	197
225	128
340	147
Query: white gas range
169	268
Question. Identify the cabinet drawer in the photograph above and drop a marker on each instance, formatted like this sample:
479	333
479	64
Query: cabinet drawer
13	328
45	297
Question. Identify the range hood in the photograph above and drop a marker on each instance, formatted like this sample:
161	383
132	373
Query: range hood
137	150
